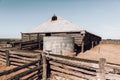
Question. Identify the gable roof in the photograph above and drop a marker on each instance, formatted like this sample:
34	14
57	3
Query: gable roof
55	24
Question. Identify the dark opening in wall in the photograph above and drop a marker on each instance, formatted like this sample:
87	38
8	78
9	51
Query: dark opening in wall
48	34
54	18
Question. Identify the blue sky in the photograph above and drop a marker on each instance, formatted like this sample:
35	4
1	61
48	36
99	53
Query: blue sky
101	17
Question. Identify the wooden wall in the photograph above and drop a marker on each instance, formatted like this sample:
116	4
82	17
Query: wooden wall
83	40
77	36
91	40
87	38
28	37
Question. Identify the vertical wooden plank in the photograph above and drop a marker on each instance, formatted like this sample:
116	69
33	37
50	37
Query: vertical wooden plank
38	38
82	47
92	44
44	76
29	37
101	72
20	45
22	39
39	57
22	36
96	43
7	58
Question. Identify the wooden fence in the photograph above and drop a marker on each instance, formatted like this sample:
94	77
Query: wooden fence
24	72
29	44
30	70
57	66
82	69
15	58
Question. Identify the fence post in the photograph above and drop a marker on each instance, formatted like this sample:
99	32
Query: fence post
92	44
20	45
101	72
82	47
7	58
39	57
44	77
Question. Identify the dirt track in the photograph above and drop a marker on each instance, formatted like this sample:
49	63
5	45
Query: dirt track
109	51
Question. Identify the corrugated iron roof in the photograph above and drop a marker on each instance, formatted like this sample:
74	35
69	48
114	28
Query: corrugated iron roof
55	24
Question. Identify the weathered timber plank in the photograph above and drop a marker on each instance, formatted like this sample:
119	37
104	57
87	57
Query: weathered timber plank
22	58
74	73
72	63
17	68
37	73
73	68
67	76
18	76
2	50
22	55
73	58
44	77
33	76
3	60
112	66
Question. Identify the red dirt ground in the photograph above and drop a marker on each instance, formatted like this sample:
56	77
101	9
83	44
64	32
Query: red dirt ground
111	52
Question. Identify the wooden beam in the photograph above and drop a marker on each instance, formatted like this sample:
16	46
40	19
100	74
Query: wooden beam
29	37
22	74
67	76
92	44
73	63
17	68
38	39
72	68
37	36
39	59
73	73
82	47
101	72
44	76
7	58
22	36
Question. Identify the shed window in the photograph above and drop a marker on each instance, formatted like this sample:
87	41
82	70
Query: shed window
48	34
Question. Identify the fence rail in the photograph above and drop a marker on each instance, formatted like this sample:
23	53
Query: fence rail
33	69
76	68
29	44
15	58
48	65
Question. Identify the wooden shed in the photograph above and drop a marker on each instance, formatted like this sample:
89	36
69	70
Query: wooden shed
57	26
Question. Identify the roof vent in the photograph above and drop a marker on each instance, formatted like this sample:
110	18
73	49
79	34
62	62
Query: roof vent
54	18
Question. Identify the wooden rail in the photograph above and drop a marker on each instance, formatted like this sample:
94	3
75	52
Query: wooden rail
29	44
76	68
14	58
28	70
18	68
48	65
71	67
20	75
